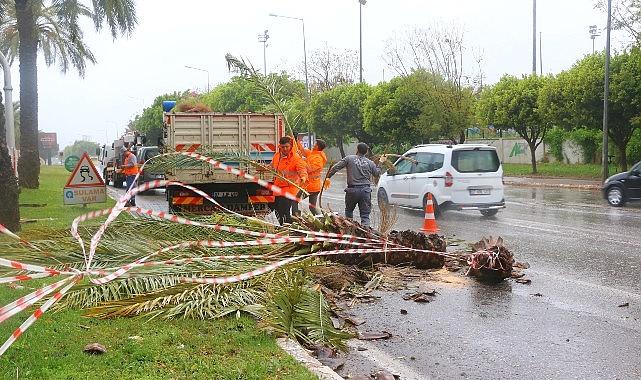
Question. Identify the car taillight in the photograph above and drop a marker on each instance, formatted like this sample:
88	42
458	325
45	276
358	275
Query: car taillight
449	180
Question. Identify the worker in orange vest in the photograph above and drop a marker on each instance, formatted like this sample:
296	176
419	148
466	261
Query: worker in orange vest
288	164
130	170
315	160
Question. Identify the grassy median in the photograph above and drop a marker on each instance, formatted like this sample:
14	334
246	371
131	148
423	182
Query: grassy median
576	171
227	348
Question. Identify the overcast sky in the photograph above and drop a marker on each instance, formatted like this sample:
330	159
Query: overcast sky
130	73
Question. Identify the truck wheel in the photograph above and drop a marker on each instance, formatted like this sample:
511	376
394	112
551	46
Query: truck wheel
104	177
118	182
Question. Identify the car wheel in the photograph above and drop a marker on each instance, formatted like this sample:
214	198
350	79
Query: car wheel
437	209
383	201
489	212
615	196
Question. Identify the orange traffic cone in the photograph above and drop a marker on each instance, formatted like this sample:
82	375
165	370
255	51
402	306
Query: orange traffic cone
429	224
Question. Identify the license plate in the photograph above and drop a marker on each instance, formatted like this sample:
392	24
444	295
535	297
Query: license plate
243	208
479	191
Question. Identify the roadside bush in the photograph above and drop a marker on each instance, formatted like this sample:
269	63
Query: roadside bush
590	141
634	147
554	138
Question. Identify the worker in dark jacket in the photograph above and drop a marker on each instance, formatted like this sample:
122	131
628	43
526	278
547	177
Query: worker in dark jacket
360	171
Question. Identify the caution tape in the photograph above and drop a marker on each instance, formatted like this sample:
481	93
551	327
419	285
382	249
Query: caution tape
263	239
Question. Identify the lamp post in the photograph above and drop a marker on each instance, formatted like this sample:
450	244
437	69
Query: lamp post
360	38
263	39
534	37
199	69
606	93
594	33
309	132
8	101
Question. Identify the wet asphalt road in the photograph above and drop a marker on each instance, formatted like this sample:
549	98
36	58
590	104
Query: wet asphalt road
585	258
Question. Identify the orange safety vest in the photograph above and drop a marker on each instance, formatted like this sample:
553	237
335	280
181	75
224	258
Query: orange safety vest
316	161
128	171
291	167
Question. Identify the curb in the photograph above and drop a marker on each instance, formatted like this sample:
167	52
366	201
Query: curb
553	185
302	356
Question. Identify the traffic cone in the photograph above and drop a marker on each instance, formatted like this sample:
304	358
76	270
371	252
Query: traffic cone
429	223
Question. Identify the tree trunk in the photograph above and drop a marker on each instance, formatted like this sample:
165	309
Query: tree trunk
29	162
9	209
623	159
462	137
339	142
533	156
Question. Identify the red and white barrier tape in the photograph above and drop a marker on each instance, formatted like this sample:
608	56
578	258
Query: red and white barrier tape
368	246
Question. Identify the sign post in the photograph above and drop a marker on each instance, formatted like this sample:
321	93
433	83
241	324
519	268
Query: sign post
85	184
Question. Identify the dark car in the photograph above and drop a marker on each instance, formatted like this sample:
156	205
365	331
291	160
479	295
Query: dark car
143	154
623	187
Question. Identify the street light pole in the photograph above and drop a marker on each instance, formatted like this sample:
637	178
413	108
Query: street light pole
309	132
8	108
606	93
593	35
534	37
199	69
263	38
360	38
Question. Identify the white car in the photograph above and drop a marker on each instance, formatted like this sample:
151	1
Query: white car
459	177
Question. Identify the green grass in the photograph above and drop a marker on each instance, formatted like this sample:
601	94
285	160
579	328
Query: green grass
52	348
578	171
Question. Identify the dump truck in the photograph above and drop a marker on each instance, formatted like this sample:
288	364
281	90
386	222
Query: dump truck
254	135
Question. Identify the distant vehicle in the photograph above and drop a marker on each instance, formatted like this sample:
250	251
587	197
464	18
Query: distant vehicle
623	187
111	158
144	154
459	177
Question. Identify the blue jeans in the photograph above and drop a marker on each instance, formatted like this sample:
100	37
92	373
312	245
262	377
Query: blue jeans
361	196
130	183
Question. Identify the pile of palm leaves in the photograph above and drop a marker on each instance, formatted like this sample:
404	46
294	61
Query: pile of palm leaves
284	300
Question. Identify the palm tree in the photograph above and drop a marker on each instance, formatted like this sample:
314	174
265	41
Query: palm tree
52	27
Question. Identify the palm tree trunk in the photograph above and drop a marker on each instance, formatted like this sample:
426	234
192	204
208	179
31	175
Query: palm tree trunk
29	162
9	209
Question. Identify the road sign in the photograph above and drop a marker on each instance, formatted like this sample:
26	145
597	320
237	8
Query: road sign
306	141
85	184
71	162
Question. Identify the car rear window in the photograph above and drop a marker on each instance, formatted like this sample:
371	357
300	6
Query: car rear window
475	161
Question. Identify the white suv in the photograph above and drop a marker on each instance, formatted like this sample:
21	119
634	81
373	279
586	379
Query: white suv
460	177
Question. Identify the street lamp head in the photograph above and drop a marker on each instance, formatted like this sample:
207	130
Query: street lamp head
363	2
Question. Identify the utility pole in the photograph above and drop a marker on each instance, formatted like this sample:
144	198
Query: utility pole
360	38
534	37
263	39
606	93
540	53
